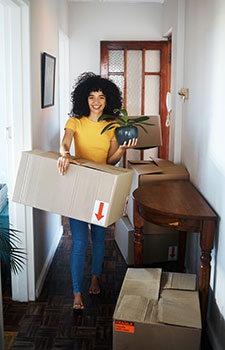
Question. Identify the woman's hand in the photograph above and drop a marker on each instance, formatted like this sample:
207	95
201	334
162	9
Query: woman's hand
129	144
116	151
64	162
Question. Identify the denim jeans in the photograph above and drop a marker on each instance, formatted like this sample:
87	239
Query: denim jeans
79	231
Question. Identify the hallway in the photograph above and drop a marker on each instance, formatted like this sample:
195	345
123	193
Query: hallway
51	323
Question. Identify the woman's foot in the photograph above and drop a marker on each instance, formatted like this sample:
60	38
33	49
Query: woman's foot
94	287
78	301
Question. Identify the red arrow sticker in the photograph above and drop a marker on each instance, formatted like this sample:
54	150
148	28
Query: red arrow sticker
99	213
172	253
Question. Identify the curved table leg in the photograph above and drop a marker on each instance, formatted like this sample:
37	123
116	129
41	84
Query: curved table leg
206	244
138	237
181	250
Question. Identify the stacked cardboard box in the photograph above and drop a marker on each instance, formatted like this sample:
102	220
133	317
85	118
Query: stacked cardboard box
160	243
157	311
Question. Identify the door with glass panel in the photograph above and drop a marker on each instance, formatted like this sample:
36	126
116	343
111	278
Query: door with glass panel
141	70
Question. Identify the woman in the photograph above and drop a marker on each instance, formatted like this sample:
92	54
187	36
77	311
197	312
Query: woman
91	97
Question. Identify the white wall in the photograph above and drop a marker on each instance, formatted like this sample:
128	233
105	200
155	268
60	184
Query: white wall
92	22
203	126
173	24
47	18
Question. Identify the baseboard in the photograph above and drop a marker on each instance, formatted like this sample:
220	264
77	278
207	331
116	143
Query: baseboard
44	271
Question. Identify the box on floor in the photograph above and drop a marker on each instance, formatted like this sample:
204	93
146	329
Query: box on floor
92	192
156	247
155	309
150	171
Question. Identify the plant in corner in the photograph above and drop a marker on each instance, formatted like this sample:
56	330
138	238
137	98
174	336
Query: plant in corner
9	252
12	255
128	127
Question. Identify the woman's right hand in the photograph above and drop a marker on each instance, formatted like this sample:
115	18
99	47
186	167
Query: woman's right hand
64	162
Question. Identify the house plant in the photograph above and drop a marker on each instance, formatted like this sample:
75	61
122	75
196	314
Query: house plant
128	127
9	252
15	257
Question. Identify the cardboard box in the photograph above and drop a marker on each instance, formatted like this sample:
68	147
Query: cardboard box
92	192
150	171
156	248
157	311
153	138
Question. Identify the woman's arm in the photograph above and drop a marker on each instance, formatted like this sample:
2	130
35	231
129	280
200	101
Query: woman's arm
66	158
116	151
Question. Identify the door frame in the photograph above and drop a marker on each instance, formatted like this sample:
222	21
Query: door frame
105	46
19	132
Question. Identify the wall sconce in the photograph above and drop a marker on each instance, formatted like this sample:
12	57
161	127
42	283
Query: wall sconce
184	94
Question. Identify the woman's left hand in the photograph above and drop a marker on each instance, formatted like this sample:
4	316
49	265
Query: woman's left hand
129	144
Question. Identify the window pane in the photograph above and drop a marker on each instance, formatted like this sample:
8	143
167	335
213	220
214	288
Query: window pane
152	88
134	77
119	81
116	61
152	61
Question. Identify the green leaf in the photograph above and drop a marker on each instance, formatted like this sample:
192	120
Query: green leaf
140	119
121	111
141	126
107	127
111	127
121	119
105	117
116	110
147	123
124	112
9	253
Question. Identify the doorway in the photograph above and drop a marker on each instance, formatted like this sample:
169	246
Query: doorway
16	128
141	70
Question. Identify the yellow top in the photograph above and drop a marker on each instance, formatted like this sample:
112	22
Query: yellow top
89	143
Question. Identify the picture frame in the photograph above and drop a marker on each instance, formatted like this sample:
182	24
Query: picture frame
48	64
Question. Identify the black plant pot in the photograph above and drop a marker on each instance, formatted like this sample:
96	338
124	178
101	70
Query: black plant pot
125	133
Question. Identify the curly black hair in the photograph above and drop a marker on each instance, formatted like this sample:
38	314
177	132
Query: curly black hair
88	82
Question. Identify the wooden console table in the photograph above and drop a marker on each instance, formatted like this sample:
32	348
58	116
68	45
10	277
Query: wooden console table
177	204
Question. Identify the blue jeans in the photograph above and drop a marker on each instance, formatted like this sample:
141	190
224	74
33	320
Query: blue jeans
79	231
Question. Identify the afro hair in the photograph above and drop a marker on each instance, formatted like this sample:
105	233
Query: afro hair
88	82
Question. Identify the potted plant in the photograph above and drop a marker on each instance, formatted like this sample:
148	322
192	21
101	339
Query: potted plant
128	127
9	252
15	257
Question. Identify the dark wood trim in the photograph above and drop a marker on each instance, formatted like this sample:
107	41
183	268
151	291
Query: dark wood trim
116	73
143	84
164	149
152	73
143	93
125	79
104	60
133	45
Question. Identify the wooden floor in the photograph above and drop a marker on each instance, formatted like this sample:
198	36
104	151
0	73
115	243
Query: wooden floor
51	323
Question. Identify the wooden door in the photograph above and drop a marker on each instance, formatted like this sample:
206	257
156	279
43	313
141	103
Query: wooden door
141	70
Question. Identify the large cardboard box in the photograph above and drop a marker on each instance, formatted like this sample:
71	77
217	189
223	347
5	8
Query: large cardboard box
153	138
156	248
150	171
92	192
157	311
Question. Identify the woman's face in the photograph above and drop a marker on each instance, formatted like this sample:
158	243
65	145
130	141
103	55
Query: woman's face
96	102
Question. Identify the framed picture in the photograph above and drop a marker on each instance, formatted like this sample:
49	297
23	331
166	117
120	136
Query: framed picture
47	80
